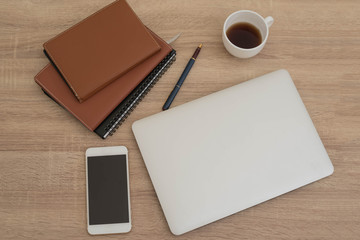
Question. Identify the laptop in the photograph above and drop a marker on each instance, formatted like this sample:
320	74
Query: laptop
230	150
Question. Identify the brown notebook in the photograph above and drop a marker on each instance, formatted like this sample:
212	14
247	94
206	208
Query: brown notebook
94	110
100	48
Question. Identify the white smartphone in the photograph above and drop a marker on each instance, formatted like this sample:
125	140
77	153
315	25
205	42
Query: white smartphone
107	190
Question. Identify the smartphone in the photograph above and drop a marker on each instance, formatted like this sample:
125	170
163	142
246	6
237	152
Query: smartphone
107	190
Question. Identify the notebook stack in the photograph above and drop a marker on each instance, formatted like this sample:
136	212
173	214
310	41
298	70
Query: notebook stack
103	66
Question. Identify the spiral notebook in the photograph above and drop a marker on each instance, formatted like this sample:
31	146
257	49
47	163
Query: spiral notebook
108	108
121	112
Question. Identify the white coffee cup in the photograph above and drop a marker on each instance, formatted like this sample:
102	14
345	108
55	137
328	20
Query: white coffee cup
247	16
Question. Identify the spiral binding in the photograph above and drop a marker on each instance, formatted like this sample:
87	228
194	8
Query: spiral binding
139	94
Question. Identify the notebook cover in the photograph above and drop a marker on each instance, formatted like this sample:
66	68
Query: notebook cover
100	48
95	109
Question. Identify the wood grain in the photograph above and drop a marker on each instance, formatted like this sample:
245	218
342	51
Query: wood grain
42	158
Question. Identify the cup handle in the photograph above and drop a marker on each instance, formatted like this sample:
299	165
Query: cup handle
269	21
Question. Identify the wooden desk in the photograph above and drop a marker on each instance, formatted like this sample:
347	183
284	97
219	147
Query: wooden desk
42	158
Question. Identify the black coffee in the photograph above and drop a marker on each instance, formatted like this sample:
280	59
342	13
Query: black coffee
244	35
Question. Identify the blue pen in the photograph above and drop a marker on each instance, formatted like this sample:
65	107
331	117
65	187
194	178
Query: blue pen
182	78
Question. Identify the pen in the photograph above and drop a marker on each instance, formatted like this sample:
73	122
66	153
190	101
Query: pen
182	78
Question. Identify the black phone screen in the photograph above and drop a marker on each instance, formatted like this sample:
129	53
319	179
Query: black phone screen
107	189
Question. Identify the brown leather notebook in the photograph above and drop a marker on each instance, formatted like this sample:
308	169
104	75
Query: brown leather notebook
94	110
100	48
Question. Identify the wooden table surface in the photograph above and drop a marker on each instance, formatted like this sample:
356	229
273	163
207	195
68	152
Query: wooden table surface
42	158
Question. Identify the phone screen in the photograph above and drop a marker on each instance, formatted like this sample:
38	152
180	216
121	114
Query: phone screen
107	189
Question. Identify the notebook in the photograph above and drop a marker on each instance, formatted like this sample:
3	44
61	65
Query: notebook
100	48
231	150
100	107
122	111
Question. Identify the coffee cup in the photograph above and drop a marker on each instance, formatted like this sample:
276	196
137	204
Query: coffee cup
246	17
